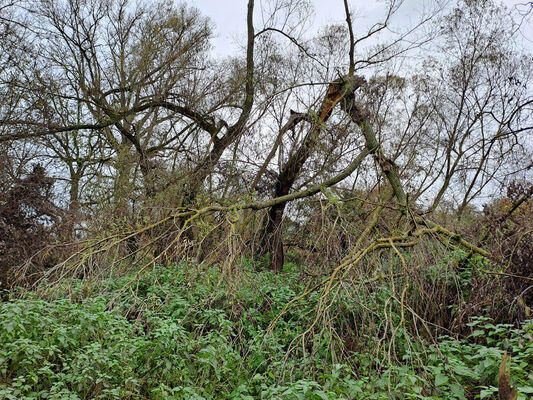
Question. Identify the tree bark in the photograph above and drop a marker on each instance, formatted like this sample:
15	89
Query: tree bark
272	238
122	186
387	166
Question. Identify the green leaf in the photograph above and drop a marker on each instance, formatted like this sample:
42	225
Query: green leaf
457	390
525	389
441	379
487	392
464	371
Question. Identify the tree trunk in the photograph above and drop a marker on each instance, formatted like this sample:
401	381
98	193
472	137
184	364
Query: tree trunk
122	187
388	168
74	201
272	239
147	172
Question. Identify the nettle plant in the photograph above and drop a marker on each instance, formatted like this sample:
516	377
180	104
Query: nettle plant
175	336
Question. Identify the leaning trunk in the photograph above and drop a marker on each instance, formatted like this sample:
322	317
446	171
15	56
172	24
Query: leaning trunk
272	241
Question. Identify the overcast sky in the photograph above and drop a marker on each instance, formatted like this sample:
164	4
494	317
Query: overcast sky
229	17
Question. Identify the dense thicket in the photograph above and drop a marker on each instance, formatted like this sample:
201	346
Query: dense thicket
185	336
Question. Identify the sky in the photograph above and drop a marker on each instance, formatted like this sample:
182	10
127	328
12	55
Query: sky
229	17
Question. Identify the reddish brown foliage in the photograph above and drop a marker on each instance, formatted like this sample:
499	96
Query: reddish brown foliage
509	235
28	220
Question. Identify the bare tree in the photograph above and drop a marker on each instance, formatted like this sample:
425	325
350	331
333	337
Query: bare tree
476	105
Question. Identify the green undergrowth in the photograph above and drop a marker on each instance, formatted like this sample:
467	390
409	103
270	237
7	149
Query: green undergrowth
185	333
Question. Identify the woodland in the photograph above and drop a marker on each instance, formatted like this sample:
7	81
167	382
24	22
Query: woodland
329	212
